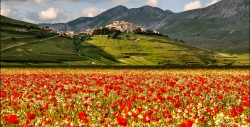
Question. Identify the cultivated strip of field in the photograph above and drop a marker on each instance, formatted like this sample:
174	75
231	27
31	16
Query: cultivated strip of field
21	44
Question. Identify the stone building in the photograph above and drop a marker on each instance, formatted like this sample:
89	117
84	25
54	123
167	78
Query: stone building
123	26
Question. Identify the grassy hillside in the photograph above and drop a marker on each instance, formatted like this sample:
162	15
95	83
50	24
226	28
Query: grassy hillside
215	45
235	38
24	43
134	49
225	23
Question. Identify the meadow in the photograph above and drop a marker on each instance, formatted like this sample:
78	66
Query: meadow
125	97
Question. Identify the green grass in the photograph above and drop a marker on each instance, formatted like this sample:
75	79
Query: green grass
215	45
235	60
9	20
21	45
148	50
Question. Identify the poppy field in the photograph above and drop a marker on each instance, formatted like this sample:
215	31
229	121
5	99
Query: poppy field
127	97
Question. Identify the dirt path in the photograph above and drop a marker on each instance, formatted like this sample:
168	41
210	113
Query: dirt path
13	46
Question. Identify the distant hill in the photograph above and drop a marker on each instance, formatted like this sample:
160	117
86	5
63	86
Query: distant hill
224	24
23	43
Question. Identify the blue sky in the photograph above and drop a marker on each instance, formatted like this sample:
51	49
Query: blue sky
54	11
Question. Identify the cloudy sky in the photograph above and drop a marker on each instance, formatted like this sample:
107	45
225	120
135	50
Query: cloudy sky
54	11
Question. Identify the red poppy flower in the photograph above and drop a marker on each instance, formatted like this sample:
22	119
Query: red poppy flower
239	109
5	118
113	104
177	104
220	97
31	116
146	119
202	120
121	121
86	120
82	115
47	121
13	119
188	124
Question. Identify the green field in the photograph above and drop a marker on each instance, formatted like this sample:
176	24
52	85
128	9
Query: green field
221	36
22	43
155	50
146	50
216	45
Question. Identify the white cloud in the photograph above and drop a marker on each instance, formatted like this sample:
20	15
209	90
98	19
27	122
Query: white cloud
193	5
121	1
198	4
92	11
153	2
212	2
5	12
50	14
28	20
41	1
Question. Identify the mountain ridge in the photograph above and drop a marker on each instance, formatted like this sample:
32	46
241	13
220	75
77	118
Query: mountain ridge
143	16
226	21
155	15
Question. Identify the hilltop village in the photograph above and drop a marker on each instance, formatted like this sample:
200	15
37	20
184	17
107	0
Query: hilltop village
121	26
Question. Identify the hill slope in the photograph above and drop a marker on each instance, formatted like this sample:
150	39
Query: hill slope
226	21
22	44
141	49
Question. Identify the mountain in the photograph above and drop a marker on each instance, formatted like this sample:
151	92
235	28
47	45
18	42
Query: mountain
145	16
216	21
226	21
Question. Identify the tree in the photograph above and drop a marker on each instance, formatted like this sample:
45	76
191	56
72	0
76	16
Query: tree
138	31
40	35
28	28
97	31
77	42
182	41
115	35
105	31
